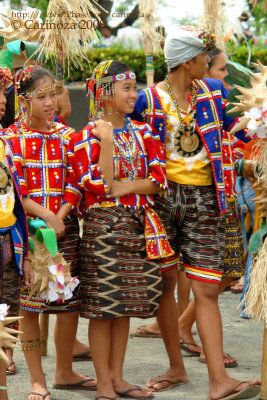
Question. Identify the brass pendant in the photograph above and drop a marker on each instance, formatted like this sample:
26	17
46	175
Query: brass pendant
189	143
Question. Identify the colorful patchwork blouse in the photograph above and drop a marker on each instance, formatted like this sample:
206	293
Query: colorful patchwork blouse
41	162
136	156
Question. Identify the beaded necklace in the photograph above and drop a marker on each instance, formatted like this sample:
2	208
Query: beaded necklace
188	142
127	151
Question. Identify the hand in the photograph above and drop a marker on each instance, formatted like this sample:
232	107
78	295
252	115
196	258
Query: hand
103	130
56	223
120	188
28	278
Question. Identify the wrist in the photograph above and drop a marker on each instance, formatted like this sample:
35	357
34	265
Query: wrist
47	214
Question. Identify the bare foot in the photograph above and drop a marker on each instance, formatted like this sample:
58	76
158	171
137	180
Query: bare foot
166	382
37	388
73	379
229	361
248	389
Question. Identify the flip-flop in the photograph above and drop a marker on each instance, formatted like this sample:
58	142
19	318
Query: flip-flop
233	364
44	395
184	347
8	372
172	383
142	331
126	394
86	356
247	393
79	385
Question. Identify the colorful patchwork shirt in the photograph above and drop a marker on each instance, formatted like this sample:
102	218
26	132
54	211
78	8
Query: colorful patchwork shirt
84	174
211	120
41	161
10	188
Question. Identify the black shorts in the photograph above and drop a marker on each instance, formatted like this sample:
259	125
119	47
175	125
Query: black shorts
195	229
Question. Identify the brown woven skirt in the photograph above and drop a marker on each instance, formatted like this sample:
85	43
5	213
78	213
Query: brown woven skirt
117	278
234	262
69	245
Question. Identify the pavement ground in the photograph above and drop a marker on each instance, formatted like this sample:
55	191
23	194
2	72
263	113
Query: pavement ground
146	358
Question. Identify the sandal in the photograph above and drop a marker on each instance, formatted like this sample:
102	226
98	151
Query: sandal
40	394
126	394
8	372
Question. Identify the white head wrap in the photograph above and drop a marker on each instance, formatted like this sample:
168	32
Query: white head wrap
185	43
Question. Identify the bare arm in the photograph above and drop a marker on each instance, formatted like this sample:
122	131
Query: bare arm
51	219
104	131
64	210
139	186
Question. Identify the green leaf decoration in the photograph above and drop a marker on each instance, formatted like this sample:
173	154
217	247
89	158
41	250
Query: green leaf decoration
49	237
2	40
238	74
14	46
6	58
31	244
257	237
30	48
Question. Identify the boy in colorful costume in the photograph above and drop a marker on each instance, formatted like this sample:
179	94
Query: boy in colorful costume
193	214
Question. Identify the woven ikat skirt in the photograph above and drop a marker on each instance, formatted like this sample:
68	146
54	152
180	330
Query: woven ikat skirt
117	279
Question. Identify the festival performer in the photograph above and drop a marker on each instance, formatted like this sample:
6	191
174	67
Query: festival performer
189	114
40	152
15	268
118	167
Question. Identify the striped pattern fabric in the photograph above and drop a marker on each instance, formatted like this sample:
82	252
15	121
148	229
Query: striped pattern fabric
117	279
196	229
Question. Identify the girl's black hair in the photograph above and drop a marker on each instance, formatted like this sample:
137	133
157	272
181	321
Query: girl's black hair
212	55
35	75
9	117
117	67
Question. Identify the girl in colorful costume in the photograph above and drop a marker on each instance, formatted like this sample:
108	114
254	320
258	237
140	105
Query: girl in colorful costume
40	152
118	166
13	231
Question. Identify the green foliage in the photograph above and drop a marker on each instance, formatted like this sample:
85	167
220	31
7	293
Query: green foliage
240	54
258	19
40	4
134	59
137	62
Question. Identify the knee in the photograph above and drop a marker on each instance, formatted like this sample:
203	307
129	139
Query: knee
205	291
169	280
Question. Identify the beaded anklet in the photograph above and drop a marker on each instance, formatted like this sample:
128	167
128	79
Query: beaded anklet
31	344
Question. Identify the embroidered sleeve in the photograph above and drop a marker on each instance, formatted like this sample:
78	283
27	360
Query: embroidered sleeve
238	149
84	172
155	158
18	161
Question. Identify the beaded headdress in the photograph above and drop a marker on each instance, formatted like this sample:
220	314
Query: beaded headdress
101	84
22	76
6	77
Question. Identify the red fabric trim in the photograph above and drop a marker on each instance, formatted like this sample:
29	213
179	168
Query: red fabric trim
203	269
197	278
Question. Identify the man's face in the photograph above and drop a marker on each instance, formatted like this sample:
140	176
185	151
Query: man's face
198	66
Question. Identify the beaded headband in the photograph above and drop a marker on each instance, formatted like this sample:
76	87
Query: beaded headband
6	77
100	82
208	39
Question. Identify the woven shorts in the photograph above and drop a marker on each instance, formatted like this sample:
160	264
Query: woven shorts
195	229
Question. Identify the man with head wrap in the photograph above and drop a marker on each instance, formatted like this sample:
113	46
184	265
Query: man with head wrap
189	114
